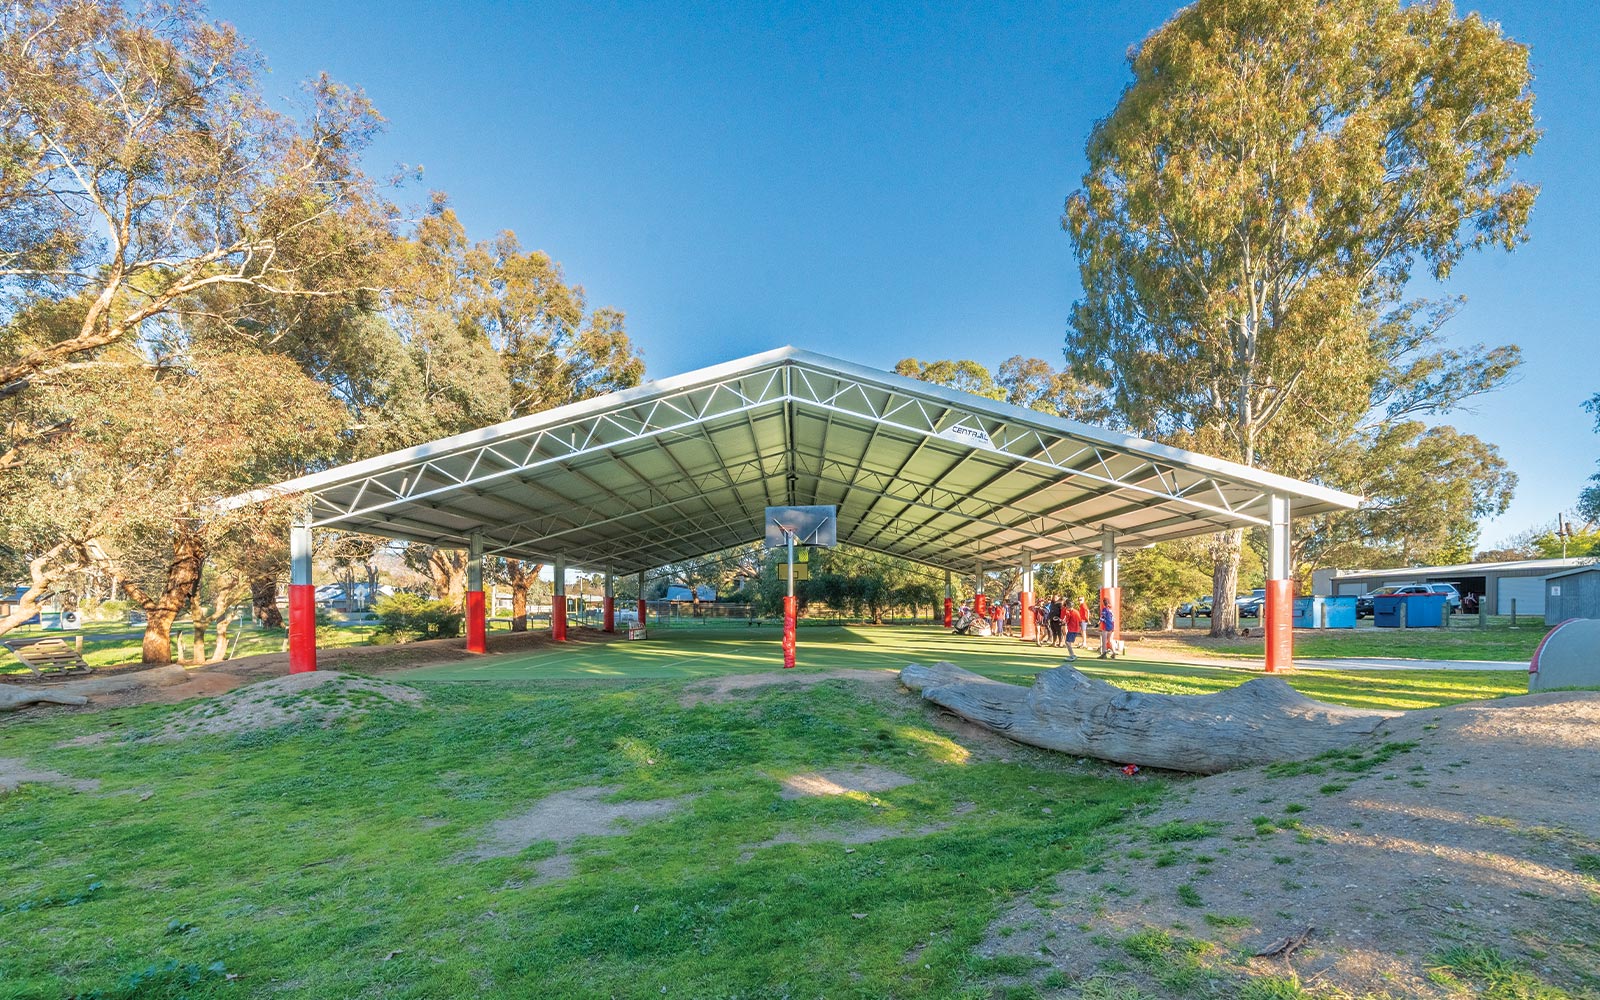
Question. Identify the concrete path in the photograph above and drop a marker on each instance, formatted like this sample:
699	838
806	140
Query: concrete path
1405	663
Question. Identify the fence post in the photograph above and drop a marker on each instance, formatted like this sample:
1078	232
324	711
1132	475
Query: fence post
1483	610
1513	612
1402	608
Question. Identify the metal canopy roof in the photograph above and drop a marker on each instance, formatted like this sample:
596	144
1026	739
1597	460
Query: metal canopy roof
684	466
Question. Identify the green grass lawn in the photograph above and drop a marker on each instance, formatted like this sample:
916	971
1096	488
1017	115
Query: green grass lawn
1462	640
675	654
322	862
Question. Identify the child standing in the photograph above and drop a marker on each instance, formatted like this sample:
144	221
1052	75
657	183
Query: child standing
1074	627
1108	628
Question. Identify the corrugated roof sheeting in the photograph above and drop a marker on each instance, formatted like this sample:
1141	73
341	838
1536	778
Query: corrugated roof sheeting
685	466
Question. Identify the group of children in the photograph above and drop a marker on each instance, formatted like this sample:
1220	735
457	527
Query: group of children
1068	622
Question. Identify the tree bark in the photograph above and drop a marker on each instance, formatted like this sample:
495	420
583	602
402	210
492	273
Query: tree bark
448	567
177	591
1226	549
12	699
1259	722
264	602
519	577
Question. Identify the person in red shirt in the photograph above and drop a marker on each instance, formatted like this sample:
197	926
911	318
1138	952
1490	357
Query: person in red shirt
1074	627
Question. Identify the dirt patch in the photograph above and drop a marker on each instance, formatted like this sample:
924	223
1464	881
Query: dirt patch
321	696
865	778
724	689
132	684
850	835
1473	825
563	818
15	772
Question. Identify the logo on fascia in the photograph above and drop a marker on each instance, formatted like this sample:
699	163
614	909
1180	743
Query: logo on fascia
976	437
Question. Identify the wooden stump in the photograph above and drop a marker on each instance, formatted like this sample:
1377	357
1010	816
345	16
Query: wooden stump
1260	721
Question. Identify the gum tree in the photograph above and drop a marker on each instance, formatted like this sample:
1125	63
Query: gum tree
1274	174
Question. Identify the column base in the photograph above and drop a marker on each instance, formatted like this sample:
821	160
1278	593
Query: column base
477	623
302	628
1277	620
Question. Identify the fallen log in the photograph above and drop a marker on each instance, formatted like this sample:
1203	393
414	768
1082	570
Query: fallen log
1261	721
12	698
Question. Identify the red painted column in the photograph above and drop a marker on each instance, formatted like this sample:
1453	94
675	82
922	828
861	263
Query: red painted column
1277	618
302	628
302	600
558	600
788	632
949	612
1025	614
643	610
1112	597
610	621
980	604
477	617
477	623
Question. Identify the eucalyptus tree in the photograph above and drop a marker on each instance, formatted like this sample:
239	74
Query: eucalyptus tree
1268	183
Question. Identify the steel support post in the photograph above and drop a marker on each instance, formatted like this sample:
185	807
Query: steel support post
1110	589
1277	617
609	621
643	608
949	601
477	615
789	613
558	601
980	600
1025	610
302	601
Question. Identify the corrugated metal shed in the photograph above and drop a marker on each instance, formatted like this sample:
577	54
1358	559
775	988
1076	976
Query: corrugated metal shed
1573	594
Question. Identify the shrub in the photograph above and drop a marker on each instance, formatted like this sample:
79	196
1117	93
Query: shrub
417	617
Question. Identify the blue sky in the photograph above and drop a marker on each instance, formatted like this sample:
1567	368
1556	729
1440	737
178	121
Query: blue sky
881	183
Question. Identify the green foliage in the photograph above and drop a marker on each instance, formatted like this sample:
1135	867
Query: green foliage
409	615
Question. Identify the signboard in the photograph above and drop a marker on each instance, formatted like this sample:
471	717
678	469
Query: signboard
815	525
977	437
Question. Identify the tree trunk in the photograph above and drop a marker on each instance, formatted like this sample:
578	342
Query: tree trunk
1169	618
178	591
1259	722
264	602
448	568
519	577
1225	551
219	651
157	647
199	653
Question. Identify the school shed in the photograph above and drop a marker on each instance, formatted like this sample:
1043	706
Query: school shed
1523	581
1572	594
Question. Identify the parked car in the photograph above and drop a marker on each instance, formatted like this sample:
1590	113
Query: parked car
1452	597
1250	604
1364	602
1200	607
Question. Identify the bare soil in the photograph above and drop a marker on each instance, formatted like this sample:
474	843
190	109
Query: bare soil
563	818
724	689
322	696
1472	825
15	772
119	687
864	778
